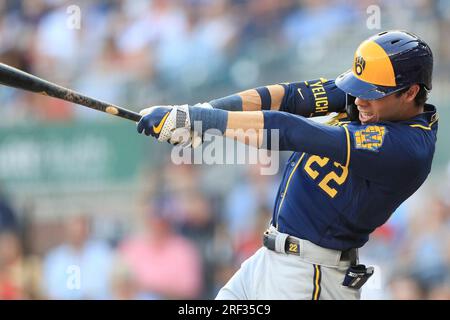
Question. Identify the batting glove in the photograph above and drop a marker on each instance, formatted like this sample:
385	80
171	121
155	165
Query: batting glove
167	123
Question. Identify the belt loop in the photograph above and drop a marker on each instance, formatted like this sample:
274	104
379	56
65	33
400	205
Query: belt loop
280	242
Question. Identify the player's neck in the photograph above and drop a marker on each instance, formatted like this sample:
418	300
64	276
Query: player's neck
412	111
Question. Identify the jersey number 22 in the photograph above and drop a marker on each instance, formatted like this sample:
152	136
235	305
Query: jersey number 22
330	176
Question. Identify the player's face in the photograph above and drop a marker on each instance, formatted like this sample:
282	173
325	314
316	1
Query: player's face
388	108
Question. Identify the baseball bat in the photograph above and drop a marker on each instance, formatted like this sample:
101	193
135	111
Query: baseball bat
16	78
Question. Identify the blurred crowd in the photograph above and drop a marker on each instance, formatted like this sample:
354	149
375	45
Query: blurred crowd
194	227
155	51
189	242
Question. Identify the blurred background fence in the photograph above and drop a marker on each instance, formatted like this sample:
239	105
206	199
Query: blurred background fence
89	209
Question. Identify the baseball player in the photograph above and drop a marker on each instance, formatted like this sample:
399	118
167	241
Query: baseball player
343	179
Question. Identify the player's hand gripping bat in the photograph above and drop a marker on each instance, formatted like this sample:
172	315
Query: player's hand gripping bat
13	77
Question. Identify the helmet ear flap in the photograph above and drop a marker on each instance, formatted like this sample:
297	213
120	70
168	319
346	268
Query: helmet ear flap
351	108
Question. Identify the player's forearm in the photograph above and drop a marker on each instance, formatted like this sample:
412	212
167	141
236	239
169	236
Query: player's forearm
246	127
242	126
262	98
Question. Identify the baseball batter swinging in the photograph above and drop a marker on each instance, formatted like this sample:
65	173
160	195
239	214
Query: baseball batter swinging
343	180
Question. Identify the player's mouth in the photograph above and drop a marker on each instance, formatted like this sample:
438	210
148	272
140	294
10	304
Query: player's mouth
367	117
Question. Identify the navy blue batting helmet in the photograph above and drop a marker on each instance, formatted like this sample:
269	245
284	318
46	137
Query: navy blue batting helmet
386	63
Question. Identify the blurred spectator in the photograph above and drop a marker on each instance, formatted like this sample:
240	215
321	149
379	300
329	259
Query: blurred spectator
80	267
19	274
8	217
164	264
421	252
223	256
250	241
55	43
243	201
405	287
124	285
440	292
428	250
198	226
300	24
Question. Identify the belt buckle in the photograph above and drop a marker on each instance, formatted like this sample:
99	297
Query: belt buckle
269	240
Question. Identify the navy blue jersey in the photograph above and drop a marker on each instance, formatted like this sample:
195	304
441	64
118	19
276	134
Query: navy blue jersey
344	181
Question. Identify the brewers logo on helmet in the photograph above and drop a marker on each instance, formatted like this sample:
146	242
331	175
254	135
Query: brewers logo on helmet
388	62
360	63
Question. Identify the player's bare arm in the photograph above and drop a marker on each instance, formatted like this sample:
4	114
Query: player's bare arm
306	98
246	127
256	99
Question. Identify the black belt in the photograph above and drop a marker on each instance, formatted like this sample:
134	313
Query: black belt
292	246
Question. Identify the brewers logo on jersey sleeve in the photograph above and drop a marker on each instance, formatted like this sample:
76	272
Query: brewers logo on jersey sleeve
370	138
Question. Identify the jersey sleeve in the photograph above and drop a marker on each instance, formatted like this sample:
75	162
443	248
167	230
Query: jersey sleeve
288	132
313	98
381	152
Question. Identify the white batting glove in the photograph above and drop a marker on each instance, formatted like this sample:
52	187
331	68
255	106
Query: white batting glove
166	123
176	136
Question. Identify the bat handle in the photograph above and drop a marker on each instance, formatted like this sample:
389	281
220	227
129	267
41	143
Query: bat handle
136	117
127	114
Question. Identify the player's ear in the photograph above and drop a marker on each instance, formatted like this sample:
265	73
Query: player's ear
412	92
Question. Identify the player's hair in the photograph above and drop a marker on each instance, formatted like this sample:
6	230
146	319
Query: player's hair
421	96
